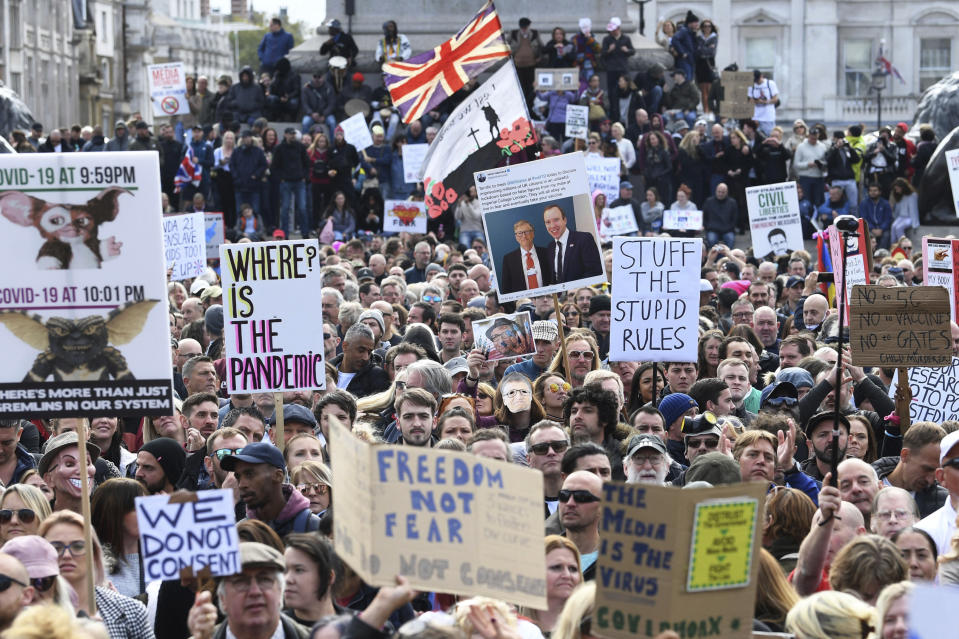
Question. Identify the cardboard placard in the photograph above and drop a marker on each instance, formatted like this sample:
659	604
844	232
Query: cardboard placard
622	221
404	216
655	299
577	121
413	155
504	336
683	560
543	200
215	234
356	132
858	261
448	522
682	220
774	221
557	80
604	175
270	311
184	245
952	162
935	392
735	103
900	326
167	86
82	241
192	534
940	267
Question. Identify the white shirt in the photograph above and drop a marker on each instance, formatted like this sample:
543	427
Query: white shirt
343	379
563	241
277	634
537	269
941	525
765	91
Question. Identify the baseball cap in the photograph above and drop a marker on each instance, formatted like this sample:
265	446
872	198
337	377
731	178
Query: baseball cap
714	468
197	287
705	286
820	417
279	234
645	440
211	291
295	413
798	377
253	553
457	365
625	185
703	424
794	280
545	330
365	274
256	453
35	553
289	130
948	443
614	23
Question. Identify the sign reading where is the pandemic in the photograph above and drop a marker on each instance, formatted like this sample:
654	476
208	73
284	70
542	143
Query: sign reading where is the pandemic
270	308
83	313
681	560
447	522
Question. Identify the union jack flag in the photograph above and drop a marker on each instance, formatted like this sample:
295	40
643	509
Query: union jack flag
888	68
189	172
422	82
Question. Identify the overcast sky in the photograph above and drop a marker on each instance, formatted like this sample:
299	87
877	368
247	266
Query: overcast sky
310	11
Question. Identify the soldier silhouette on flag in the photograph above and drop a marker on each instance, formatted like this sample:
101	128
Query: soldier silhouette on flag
493	120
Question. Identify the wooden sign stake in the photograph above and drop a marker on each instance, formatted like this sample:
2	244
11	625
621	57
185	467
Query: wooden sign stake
82	430
278	411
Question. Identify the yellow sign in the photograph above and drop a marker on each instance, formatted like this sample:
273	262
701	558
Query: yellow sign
721	550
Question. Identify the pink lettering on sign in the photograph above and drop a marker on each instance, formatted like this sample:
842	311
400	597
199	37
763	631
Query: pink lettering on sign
166	76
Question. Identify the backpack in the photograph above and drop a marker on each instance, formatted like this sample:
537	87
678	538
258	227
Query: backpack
306	521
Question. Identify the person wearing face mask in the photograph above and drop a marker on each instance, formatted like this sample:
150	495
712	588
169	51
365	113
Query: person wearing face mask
515	406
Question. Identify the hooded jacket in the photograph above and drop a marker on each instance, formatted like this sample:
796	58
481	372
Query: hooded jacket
245	98
285	83
247	166
292	517
929	499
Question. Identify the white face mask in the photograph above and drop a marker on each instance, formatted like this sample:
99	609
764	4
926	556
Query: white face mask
517	398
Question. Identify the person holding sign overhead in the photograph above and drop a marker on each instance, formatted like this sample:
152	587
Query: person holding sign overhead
528	267
574	254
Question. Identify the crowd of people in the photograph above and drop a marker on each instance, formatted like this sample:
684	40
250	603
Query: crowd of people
839	554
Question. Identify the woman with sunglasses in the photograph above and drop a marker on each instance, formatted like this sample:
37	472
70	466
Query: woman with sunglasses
22	508
124	618
315	482
572	318
551	390
40	560
114	517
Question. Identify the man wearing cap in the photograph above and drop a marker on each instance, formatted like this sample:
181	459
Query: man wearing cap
248	169
680	102
625	198
822	397
941	525
291	166
283	93
39	559
121	138
545	334
879	162
297	420
792	291
160	462
358	370
615	53
599	320
144	141
684	42
318	102
915	468
260	469
60	469
646	460
819	434
451	336
251	601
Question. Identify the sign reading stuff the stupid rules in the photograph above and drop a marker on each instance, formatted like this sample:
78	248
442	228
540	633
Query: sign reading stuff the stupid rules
84	325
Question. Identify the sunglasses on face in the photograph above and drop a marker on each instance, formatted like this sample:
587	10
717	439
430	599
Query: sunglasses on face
587	355
24	515
5	582
555	388
952	463
319	489
43	584
220	453
76	548
432	298
579	496
570	313
558	447
782	401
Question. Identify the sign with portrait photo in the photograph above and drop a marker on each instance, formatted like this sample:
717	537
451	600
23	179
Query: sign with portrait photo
774	221
504	336
540	228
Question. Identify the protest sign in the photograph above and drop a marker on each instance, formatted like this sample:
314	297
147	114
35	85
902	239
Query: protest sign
188	534
929	604
682	220
577	121
952	162
655	299
82	241
167	86
900	326
774	221
447	522
413	155
735	103
184	245
557	79
622	221
858	261
403	215
270	313
682	560
940	267
526	208
504	336
604	175
356	132
215	234
935	392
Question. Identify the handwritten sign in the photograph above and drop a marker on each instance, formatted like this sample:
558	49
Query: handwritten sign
661	563
655	299
603	174
952	162
577	121
356	132
167	85
186	535
270	310
448	522
622	221
935	392
940	267
215	234
735	103
184	245
900	326
682	220
404	216
413	155
858	259
557	79
774	222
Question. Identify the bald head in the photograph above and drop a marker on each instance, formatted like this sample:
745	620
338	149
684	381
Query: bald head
584	480
814	310
858	484
11	566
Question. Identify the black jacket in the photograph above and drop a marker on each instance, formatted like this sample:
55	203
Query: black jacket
839	161
368	380
929	500
290	162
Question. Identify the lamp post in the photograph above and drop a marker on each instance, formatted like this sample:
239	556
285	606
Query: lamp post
642	14
879	81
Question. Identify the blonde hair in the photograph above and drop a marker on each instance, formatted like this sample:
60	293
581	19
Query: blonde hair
32	496
775	596
889	595
578	606
462	610
71	518
830	615
318	470
48	621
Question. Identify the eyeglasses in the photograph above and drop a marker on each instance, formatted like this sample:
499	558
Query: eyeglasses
220	453
555	388
579	496
952	463
319	489
743	315
886	515
652	460
517	392
522	233
432	298
5	582
242	583
587	355
782	401
570	312
327	335
558	446
76	548
710	443
43	584
24	515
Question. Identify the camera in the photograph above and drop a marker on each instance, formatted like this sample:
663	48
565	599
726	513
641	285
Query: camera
847	223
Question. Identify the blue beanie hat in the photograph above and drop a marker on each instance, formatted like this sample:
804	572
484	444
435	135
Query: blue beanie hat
674	405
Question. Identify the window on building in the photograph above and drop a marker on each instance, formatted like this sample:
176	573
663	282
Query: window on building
857	66
16	82
935	60
761	54
16	37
